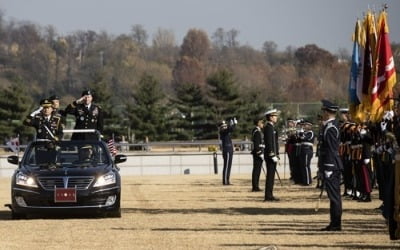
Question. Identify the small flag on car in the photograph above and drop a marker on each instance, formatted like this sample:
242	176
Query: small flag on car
13	144
112	148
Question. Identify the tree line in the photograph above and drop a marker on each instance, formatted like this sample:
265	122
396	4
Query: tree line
160	90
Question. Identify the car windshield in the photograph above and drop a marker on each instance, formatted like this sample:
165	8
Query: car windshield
66	154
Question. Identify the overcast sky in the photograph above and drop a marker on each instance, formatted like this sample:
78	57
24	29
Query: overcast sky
327	23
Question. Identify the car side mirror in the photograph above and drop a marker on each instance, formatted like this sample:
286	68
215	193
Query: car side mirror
13	159
120	158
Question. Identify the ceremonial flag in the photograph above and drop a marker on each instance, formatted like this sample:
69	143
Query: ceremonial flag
355	64
367	42
385	77
112	148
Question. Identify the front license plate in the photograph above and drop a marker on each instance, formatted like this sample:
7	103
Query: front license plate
65	195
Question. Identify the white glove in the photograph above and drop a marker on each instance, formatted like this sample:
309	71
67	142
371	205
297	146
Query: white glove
234	121
383	126
328	173
388	115
261	156
37	111
363	131
366	161
274	159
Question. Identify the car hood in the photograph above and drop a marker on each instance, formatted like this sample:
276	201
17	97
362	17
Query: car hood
68	171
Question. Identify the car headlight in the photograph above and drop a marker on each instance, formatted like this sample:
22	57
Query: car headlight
106	179
25	180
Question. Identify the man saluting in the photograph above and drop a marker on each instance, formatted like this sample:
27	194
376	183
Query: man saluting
87	116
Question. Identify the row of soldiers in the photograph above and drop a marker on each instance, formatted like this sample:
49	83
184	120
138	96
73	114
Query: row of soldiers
368	154
299	149
368	151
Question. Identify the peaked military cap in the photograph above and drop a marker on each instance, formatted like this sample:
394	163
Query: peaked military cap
306	122
45	103
54	97
272	112
222	124
329	106
87	92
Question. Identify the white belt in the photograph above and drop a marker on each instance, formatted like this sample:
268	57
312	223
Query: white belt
307	144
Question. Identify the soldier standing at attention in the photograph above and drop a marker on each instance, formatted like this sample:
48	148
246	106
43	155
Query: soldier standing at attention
225	131
271	153
307	137
258	153
87	116
331	164
48	126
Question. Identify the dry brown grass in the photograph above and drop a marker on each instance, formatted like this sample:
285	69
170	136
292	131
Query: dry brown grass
197	212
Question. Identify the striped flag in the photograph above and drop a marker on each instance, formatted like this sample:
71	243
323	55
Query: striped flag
112	148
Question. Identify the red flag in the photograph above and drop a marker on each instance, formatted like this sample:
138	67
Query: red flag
112	148
385	78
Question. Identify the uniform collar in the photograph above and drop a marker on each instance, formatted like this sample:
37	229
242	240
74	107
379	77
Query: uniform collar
326	122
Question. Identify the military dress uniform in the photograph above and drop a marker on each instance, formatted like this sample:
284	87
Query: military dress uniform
50	128
306	153
258	155
86	118
225	131
271	155
331	166
290	149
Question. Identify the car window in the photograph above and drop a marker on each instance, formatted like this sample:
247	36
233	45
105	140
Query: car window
65	154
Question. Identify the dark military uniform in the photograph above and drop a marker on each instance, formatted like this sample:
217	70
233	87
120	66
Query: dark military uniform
86	118
290	149
50	128
225	131
306	139
331	167
271	154
258	154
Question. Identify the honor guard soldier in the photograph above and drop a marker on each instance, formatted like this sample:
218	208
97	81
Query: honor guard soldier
345	126
225	131
48	126
331	164
290	147
87	116
271	152
306	139
258	153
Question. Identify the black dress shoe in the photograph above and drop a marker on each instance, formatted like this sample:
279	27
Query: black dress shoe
332	228
256	190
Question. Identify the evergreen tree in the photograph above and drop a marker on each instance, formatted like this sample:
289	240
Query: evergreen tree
192	117
14	106
148	113
223	94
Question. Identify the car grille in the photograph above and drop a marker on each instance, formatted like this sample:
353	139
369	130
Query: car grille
81	183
